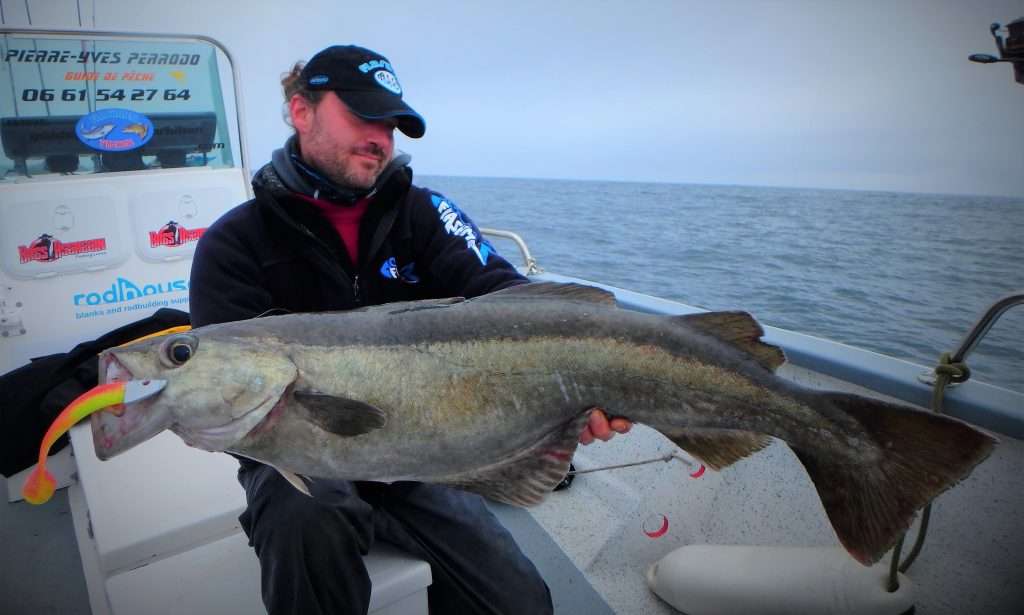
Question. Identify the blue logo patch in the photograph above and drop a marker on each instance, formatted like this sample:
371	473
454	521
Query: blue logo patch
318	80
389	269
366	67
114	130
455	224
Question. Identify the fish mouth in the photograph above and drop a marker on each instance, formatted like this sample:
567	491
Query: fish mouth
222	437
122	427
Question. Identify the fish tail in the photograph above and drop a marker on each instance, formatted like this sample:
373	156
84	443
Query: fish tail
919	456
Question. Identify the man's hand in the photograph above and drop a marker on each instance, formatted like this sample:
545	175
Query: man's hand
601	428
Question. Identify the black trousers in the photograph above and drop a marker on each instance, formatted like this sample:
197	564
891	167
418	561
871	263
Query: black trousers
311	549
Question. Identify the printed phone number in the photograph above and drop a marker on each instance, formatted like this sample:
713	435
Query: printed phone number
102	94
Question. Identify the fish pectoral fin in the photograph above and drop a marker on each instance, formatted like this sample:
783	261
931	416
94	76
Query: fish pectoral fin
528	476
738	329
557	290
295	480
719	448
340	415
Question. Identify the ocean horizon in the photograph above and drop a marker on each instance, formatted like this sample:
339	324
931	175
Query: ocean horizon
421	179
900	273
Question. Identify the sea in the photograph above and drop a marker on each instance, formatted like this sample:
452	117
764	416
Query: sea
902	274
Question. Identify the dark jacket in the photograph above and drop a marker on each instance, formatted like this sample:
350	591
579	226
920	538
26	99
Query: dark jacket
277	252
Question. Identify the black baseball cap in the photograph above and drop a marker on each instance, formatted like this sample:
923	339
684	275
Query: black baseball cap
366	82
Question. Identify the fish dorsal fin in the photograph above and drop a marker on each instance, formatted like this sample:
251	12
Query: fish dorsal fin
719	448
738	329
274	312
569	291
398	307
425	304
526	478
340	415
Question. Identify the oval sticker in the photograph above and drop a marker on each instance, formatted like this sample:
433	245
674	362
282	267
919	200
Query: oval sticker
388	81
114	130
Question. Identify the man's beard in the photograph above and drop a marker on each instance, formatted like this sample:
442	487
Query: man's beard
349	172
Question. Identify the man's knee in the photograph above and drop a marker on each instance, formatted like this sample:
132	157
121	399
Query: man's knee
311	558
281	518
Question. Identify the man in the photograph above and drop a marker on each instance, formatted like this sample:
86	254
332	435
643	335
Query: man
336	224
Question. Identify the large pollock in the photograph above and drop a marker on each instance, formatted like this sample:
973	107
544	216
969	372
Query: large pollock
490	395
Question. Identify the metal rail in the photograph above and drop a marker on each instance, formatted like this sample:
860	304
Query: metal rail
532	267
975	335
985	323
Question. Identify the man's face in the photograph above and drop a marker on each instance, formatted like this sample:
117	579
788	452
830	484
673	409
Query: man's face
349	150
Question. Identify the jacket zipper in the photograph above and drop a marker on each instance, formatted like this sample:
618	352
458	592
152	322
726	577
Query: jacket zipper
356	295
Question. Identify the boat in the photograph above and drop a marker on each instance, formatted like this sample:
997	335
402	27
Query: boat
104	236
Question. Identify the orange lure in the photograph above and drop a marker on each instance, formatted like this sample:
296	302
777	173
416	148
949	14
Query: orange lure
40	485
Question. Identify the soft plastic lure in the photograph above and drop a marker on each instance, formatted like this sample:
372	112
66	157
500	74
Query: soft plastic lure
40	485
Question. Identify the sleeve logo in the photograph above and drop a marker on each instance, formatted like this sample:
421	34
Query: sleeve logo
455	225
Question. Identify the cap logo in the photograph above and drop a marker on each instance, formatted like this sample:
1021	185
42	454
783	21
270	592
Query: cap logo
366	67
388	81
318	80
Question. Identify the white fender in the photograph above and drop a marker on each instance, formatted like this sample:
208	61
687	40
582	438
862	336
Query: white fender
730	579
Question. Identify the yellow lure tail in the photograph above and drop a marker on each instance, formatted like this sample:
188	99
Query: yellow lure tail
41	484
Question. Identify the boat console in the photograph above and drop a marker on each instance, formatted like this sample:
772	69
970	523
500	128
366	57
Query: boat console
119	152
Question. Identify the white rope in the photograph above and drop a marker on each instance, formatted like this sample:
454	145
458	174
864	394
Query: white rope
663	458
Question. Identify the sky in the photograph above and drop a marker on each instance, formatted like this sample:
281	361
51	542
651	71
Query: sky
869	95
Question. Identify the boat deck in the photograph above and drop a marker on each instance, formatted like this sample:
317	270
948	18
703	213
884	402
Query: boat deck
41	569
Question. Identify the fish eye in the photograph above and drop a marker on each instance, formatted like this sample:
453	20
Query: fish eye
178	350
180	353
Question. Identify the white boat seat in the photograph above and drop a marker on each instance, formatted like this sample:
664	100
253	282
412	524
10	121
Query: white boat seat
158	532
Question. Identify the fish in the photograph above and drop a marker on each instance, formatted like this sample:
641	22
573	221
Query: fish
98	132
136	129
490	395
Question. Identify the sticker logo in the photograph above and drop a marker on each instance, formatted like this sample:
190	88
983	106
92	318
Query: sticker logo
47	248
455	224
388	81
174	234
124	289
318	80
114	130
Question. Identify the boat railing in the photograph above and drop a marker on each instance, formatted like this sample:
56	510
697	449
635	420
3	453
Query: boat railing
529	263
955	360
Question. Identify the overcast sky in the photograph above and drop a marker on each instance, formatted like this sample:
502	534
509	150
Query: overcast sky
855	94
